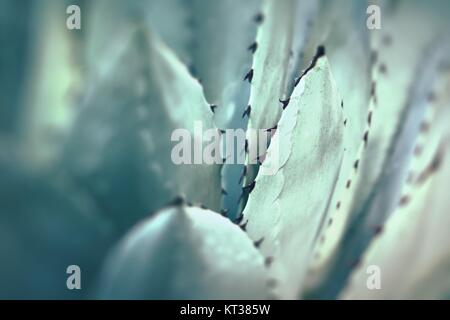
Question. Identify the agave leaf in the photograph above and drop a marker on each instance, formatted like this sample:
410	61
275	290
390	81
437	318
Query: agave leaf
110	22
274	63
121	148
342	30
46	225
49	96
286	209
221	54
412	252
411	249
224	30
185	253
398	101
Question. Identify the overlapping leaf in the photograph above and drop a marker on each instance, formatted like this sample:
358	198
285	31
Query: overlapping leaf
121	148
185	253
286	209
397	105
412	253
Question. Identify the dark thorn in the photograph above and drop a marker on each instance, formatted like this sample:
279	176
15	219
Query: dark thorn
249	76
239	218
247	111
356	165
268	261
383	68
179	200
253	47
338	205
247	190
259	18
258	160
433	167
355	264
369	118
258	243
349	183
373	88
330	222
366	137
224	192
345	122
377	230
189	204
250	187
273	128
424	127
319	53
244	226
246	145
436	163
213	108
221	131
224	212
285	102
202	206
404	200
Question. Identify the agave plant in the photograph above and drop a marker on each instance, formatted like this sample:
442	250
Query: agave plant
359	127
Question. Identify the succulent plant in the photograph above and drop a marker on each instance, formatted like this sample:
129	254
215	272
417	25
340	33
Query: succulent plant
221	261
358	149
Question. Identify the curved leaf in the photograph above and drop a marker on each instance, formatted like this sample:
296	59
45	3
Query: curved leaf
224	30
412	252
274	62
110	23
185	253
120	148
398	101
286	209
